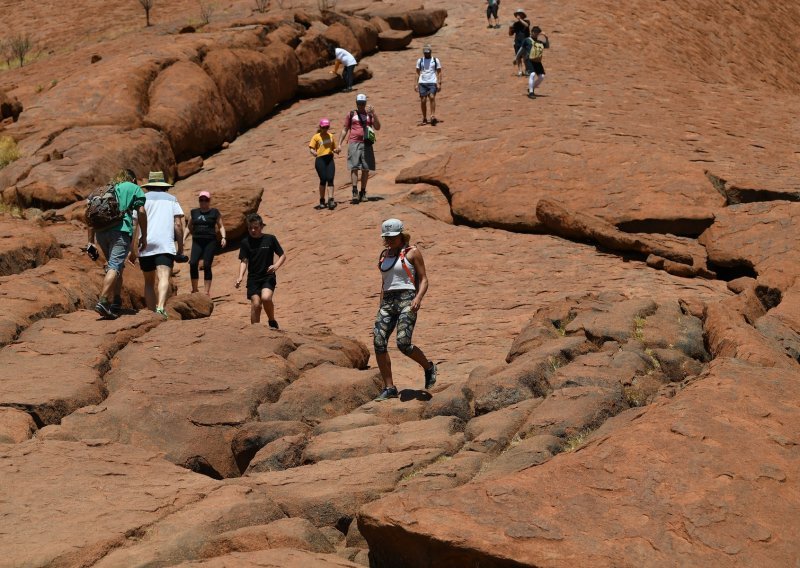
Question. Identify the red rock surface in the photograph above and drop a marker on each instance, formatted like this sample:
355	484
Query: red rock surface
523	452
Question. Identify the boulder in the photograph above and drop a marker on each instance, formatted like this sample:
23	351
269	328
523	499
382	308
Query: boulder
446	472
84	346
607	369
280	454
491	433
394	40
321	82
364	31
255	435
521	455
189	167
187	106
614	321
236	72
190	306
342	36
614	501
323	392
9	108
312	53
570	414
15	426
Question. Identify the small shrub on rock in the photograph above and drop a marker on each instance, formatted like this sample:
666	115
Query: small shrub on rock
8	151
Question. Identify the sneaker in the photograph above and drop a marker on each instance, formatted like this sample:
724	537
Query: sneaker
424	122
319	206
497	26
519	73
273	324
162	312
430	376
490	26
362	195
104	309
116	309
386	394
331	204
434	121
355	196
531	95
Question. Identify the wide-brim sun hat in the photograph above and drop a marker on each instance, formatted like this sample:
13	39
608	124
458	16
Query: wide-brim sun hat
520	11
361	98
324	122
156	179
205	194
391	227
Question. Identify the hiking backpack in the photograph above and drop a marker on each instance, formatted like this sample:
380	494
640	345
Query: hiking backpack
537	50
102	207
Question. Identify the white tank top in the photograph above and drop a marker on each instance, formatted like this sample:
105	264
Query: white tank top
395	276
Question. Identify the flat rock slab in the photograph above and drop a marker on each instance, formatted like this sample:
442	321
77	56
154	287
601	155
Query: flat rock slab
61	286
330	493
105	493
57	365
24	245
442	432
622	499
158	398
394	40
663	193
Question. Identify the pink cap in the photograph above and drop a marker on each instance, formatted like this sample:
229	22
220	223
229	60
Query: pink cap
324	122
204	194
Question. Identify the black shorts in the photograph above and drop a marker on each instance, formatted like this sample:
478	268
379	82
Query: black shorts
254	287
491	11
149	263
537	67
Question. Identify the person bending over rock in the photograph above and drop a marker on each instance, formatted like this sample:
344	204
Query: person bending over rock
345	59
204	222
257	258
165	225
404	283
360	154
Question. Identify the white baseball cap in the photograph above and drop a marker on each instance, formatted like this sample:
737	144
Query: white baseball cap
391	228
361	97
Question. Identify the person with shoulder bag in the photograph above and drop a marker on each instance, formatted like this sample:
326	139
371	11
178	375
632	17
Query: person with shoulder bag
359	130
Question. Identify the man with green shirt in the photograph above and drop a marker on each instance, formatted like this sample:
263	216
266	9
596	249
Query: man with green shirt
115	242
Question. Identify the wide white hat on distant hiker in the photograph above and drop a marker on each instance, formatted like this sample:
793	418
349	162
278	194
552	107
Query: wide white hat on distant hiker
391	228
156	179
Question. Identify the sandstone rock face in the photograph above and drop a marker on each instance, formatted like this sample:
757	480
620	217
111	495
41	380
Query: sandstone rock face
15	426
278	558
193	417
621	478
298	534
24	246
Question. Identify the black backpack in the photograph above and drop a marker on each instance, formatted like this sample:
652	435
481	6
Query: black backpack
102	207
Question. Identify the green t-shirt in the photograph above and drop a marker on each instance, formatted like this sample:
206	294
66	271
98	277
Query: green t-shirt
130	197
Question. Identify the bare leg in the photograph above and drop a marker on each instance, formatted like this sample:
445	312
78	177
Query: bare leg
163	272
109	282
354	177
255	308
207	284
364	178
385	367
433	105
149	290
269	305
194	285
418	356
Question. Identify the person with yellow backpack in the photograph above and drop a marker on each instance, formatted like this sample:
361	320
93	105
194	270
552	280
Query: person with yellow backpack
539	43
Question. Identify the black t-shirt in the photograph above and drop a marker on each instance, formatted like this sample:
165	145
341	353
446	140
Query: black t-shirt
260	255
521	30
204	225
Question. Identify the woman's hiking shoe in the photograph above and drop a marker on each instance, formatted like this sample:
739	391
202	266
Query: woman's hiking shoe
386	394
162	312
331	204
273	324
531	95
362	195
104	309
319	206
430	376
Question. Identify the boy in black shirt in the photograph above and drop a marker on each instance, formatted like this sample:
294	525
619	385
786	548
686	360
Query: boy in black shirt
257	255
